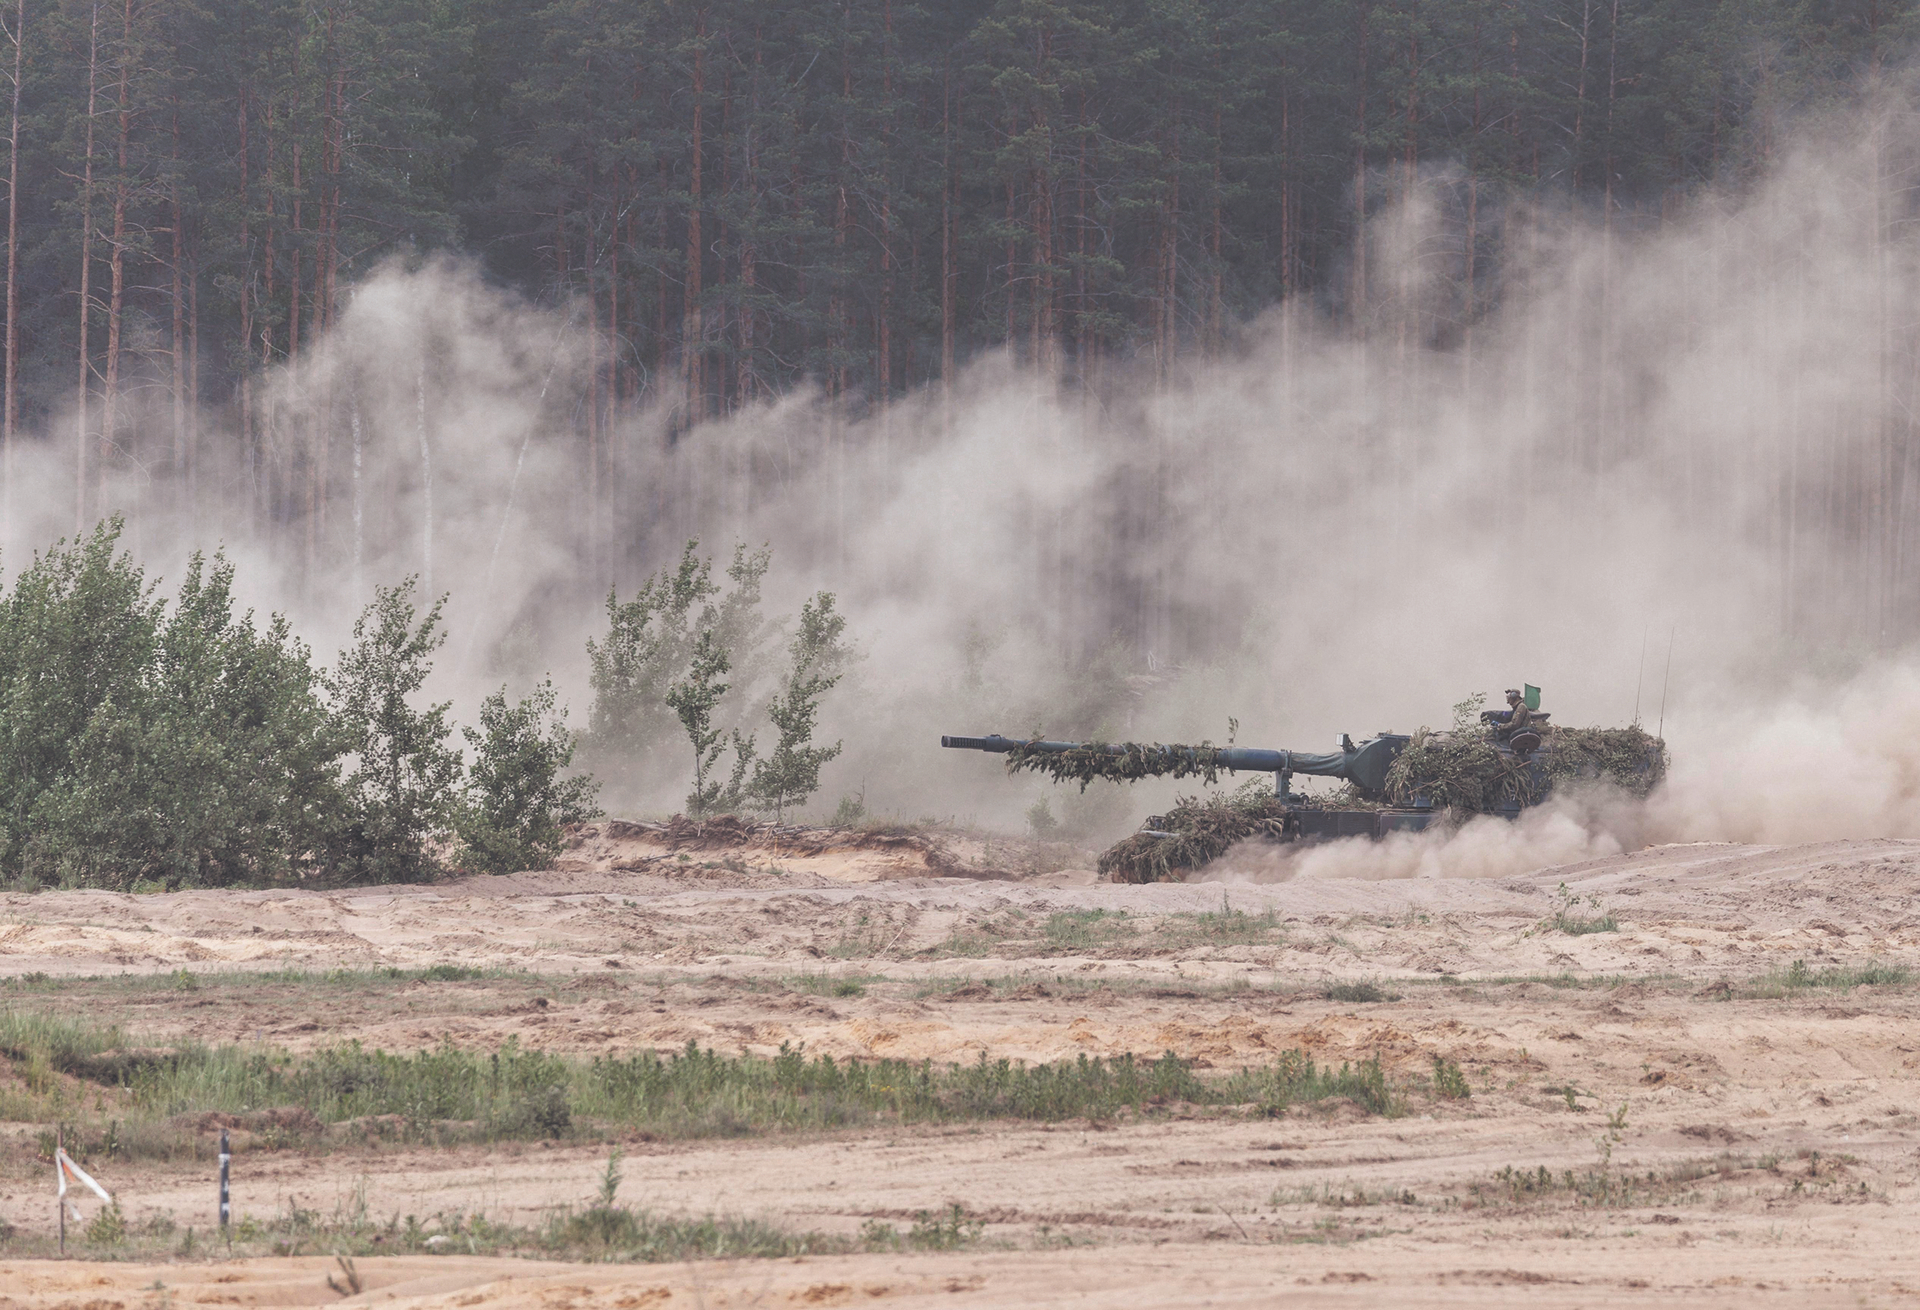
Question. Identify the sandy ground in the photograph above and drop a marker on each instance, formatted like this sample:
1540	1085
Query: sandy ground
1775	1142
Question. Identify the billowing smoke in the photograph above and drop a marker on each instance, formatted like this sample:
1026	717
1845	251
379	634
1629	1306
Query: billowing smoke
1655	467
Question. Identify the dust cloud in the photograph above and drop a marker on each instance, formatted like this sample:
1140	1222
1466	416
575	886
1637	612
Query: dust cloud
1658	467
1560	832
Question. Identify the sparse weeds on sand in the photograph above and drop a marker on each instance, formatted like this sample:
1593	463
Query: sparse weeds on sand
947	1230
1571	918
988	936
604	1230
609	1230
865	937
254	979
1347	1195
1014	934
1449	1083
1797	977
1088	930
842	985
1225	926
1606	1187
1359	993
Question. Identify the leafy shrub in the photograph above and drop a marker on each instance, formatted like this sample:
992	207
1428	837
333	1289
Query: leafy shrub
400	790
664	658
138	746
686	648
791	774
515	800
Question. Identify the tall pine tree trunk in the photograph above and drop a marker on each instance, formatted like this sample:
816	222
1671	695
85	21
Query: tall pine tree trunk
883	384
12	407
947	271
117	263
248	435
692	330
1358	293
82	437
1082	317
177	301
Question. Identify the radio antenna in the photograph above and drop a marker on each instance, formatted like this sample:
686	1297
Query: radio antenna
1641	682
1664	681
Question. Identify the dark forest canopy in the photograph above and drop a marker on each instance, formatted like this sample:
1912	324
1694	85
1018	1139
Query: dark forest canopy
738	196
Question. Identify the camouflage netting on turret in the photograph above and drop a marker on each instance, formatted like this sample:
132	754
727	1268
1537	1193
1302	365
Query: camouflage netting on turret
1202	831
1459	771
1631	758
1462	772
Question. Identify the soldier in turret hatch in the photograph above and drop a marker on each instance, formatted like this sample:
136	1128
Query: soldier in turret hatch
1515	718
1518	715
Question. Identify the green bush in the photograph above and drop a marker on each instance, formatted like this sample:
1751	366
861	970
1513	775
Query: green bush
148	745
516	801
401	788
791	774
690	650
663	659
140	746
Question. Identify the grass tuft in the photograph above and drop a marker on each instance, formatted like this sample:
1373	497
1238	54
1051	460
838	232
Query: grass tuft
1449	1083
1359	993
1571	919
1798	977
1087	930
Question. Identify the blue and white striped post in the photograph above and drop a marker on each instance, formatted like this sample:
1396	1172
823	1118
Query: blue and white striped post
226	1164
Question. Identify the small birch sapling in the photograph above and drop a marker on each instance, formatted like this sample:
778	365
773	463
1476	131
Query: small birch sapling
791	772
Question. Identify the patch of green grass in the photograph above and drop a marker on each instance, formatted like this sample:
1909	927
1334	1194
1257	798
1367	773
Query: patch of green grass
61	1042
612	1232
449	1095
1295	1079
1225	926
931	1231
451	973
1579	925
604	1231
1605	1187
1346	1196
1359	993
1088	930
837	985
1449	1083
1797	977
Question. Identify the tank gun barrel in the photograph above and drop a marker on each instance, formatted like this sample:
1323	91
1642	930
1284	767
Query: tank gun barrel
1365	766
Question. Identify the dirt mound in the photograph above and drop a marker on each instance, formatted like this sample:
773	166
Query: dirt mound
730	845
730	831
